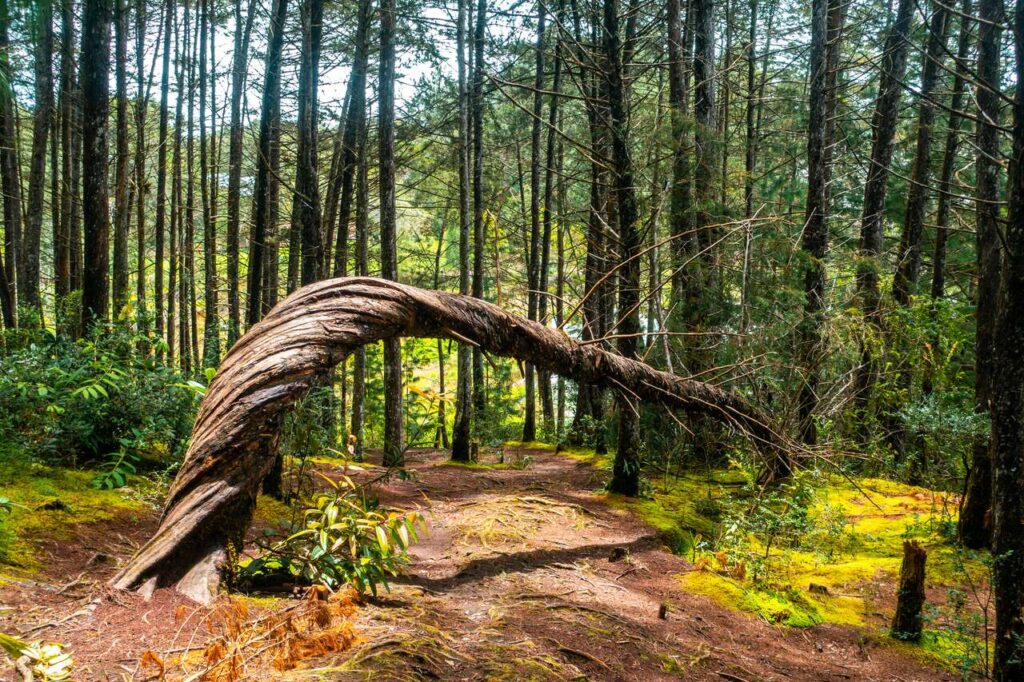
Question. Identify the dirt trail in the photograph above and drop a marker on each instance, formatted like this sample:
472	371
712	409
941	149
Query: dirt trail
528	574
525	574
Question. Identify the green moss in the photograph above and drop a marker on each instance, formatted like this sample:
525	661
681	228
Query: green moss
32	487
775	604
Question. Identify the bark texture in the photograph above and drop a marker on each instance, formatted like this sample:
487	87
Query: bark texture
298	344
907	623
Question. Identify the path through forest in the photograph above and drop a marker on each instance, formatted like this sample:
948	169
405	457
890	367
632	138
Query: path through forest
526	573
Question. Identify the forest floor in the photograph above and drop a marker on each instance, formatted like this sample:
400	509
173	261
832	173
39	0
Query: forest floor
526	572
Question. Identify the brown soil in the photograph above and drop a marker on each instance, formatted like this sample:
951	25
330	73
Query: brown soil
525	574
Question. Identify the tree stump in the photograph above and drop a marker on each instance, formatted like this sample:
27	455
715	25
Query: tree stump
906	624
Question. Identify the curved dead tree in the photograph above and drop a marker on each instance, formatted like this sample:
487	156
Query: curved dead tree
211	501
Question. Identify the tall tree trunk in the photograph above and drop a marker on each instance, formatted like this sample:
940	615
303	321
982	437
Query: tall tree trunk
815	230
706	171
355	124
626	468
476	104
533	262
362	269
544	378
95	70
462	428
949	155
211	325
141	107
908	262
239	60
263	219
872	229
161	175
10	176
306	200
975	520
393	410
1008	400
28	262
122	205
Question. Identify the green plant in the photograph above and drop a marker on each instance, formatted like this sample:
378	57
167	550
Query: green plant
48	662
344	539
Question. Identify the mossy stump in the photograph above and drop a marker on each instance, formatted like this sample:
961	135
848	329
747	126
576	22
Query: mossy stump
906	624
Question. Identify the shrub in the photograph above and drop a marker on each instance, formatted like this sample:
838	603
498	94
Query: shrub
65	402
344	539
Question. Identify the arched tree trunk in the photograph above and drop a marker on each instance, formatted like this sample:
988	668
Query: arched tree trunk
298	343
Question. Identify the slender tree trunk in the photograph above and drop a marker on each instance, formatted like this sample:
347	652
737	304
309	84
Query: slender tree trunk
872	230
263	219
477	131
122	206
949	155
306	201
908	262
462	428
975	513
10	176
28	262
239	60
815	231
1008	400
362	269
393	410
533	263
626	469
95	70
161	175
211	325
706	171
352	141
544	378
141	107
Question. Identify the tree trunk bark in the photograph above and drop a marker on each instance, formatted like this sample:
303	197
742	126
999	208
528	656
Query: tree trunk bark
393	410
10	180
264	221
533	261
907	623
1008	409
95	70
42	28
122	205
232	448
883	127
975	514
239	60
161	174
306	199
462	428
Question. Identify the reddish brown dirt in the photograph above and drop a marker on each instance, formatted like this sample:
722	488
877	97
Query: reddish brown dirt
531	595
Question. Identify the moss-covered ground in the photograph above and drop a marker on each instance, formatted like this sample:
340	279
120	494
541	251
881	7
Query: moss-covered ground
838	565
46	503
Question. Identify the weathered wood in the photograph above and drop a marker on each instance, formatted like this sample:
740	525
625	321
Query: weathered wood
906	623
210	503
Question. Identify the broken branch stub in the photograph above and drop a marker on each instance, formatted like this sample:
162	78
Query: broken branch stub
211	501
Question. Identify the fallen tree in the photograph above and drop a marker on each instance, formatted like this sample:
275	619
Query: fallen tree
211	501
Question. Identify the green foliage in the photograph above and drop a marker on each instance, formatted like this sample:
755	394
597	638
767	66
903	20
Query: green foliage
344	539
65	401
